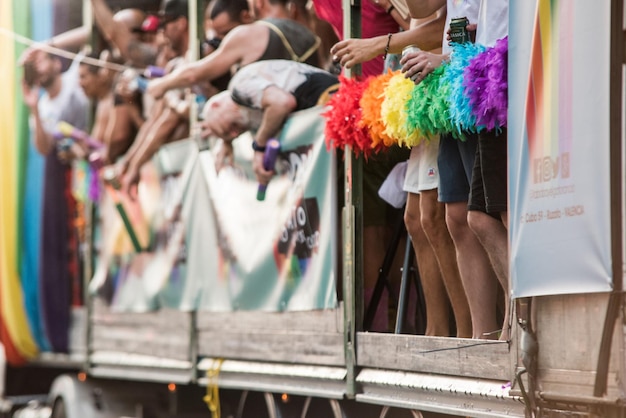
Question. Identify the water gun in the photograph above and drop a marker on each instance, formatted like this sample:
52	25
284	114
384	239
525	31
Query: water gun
110	179
269	160
83	137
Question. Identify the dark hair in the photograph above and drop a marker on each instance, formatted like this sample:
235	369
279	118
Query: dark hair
93	69
232	7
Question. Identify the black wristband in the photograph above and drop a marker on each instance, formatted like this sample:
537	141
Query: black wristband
389	10
257	147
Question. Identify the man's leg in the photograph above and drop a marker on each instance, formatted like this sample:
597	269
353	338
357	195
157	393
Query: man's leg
488	216
435	296
493	236
478	277
433	222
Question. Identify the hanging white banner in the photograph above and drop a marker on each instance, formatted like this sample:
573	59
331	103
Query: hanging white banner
559	147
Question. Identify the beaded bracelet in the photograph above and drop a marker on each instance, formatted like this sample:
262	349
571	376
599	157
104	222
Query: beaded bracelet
387	46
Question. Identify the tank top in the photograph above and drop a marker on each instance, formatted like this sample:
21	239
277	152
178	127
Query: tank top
290	40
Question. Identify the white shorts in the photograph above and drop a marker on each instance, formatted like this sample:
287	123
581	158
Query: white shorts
422	172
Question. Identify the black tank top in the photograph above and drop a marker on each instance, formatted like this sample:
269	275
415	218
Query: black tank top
290	40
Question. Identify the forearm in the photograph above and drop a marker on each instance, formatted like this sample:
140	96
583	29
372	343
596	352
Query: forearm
72	39
157	136
273	118
43	141
113	32
424	8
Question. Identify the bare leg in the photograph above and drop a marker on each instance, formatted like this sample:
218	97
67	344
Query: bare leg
478	277
492	234
434	224
437	304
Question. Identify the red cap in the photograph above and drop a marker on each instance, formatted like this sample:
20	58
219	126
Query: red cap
149	25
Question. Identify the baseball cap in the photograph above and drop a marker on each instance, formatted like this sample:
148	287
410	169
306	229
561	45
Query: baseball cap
172	9
149	25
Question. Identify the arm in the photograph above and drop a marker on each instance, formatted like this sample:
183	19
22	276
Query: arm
114	32
234	46
277	105
426	34
43	141
158	134
423	8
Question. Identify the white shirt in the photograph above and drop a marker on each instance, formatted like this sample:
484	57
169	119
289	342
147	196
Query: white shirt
493	21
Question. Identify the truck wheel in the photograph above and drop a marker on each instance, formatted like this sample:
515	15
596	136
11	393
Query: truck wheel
58	410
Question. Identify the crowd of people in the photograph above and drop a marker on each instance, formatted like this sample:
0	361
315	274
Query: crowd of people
271	58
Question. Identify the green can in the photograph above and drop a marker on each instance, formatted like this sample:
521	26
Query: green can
458	30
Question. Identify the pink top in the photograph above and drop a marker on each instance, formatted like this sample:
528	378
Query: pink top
374	22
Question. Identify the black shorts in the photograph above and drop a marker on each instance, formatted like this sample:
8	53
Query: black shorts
488	191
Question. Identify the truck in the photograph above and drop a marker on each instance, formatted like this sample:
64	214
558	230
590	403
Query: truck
240	308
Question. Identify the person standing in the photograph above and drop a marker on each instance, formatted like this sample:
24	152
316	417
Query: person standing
62	100
456	161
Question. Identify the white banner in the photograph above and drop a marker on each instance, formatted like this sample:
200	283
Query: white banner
559	147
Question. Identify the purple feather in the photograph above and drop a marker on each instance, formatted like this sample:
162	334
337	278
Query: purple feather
485	83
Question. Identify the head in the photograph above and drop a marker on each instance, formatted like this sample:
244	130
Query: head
97	80
131	18
175	24
223	118
224	15
262	8
89	78
147	32
48	68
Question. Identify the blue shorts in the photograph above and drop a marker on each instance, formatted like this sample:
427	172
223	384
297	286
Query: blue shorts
456	162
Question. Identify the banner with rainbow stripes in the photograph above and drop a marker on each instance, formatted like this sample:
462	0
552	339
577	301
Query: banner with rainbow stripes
559	147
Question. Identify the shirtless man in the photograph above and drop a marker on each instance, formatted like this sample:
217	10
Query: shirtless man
242	45
245	44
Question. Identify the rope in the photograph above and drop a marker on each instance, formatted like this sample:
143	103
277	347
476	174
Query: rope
60	52
212	398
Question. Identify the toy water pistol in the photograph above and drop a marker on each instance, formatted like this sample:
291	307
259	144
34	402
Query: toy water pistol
269	160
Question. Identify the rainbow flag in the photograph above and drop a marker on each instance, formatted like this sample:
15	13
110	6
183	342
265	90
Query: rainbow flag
549	104
16	334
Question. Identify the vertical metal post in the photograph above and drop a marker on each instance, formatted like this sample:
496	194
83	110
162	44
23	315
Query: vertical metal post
617	234
352	224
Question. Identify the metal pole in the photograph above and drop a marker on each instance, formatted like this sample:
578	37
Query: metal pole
352	253
616	186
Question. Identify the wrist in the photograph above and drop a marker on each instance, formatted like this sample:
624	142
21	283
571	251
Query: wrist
258	147
390	9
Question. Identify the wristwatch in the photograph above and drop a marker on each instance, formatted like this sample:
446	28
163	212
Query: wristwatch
257	147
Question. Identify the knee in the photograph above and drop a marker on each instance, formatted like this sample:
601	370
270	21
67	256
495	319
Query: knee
433	224
477	222
412	223
456	222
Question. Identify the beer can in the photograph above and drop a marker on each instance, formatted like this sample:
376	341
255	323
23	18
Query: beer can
409	49
458	30
109	175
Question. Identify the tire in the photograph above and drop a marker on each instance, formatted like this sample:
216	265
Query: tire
59	410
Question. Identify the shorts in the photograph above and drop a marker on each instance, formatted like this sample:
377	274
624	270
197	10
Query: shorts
489	178
422	172
456	162
376	211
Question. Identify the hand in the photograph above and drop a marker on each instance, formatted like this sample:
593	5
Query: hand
417	65
263	176
156	88
225	155
351	52
471	29
30	95
130	182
